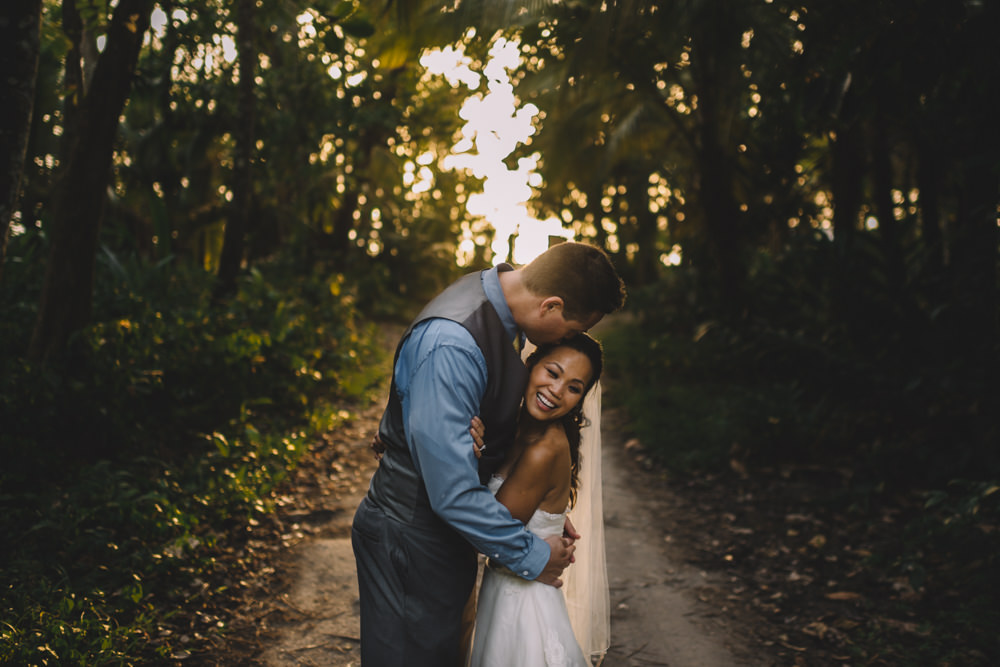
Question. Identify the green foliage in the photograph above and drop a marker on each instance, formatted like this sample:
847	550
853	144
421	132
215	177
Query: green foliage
335	126
711	392
180	366
815	369
169	419
839	369
75	572
729	135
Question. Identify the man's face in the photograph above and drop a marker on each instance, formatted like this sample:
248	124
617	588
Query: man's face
550	326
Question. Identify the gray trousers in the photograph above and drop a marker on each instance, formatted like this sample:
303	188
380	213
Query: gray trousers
414	582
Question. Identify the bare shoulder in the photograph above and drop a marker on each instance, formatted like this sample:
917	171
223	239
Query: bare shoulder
552	446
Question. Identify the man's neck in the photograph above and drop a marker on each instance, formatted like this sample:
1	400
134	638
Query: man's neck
515	293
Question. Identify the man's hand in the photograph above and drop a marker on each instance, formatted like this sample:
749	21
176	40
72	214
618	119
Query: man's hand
560	556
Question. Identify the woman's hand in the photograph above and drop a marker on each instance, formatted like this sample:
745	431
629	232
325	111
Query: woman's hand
377	446
478	431
569	531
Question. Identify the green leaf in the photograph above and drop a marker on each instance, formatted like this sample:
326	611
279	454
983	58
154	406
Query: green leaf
358	27
221	444
342	10
333	42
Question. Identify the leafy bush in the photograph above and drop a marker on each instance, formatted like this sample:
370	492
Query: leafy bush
816	365
170	419
709	392
836	369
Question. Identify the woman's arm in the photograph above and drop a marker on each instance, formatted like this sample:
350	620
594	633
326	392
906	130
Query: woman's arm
477	429
530	481
532	478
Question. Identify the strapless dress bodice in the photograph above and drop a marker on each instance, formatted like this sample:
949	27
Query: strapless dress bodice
542	523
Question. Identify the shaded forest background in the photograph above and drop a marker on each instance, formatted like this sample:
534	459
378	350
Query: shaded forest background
206	205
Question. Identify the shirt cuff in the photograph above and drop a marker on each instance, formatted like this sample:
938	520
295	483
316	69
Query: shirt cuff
534	561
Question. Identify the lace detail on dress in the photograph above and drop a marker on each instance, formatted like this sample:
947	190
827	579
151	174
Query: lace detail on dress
494	483
555	652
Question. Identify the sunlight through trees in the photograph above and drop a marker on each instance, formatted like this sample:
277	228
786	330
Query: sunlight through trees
200	199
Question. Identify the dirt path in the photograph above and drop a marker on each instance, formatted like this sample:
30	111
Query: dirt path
660	609
317	619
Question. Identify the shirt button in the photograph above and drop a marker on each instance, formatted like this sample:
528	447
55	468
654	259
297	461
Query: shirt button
496	555
525	573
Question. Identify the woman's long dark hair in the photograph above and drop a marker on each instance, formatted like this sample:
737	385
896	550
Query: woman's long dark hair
574	420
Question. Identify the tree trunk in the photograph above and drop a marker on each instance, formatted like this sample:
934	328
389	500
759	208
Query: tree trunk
974	266
76	84
167	175
848	168
597	211
78	205
234	242
929	183
721	216
19	40
343	222
890	231
715	164
847	183
647	257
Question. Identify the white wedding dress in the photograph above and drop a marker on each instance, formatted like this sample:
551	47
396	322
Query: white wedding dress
522	623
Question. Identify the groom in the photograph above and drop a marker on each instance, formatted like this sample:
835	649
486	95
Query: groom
427	511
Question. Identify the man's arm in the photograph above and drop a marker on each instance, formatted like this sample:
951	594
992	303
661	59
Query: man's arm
443	379
561	555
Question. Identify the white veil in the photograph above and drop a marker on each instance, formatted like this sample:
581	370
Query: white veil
585	582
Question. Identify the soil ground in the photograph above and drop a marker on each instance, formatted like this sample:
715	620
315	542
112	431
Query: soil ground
304	610
663	612
729	570
751	567
663	609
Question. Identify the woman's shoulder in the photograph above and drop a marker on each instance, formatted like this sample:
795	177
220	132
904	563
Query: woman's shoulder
552	443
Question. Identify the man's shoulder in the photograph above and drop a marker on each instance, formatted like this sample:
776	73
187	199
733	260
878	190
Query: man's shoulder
440	332
447	342
442	327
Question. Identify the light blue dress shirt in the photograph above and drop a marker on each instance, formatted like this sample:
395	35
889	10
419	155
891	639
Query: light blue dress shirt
441	378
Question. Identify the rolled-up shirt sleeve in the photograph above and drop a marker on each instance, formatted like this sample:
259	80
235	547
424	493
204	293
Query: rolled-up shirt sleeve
441	376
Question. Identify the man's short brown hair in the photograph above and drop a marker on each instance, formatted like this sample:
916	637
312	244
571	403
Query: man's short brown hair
581	275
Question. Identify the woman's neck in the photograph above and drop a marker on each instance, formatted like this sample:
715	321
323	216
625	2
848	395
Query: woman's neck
530	429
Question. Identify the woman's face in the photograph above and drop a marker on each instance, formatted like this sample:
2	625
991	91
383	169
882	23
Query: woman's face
556	383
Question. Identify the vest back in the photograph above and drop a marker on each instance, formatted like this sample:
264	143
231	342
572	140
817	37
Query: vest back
396	486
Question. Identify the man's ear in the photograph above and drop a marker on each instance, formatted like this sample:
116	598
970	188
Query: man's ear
550	305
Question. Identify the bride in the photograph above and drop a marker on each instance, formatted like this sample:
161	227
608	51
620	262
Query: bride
520	622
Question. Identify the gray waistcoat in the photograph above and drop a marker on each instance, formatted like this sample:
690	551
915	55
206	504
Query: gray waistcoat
396	486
